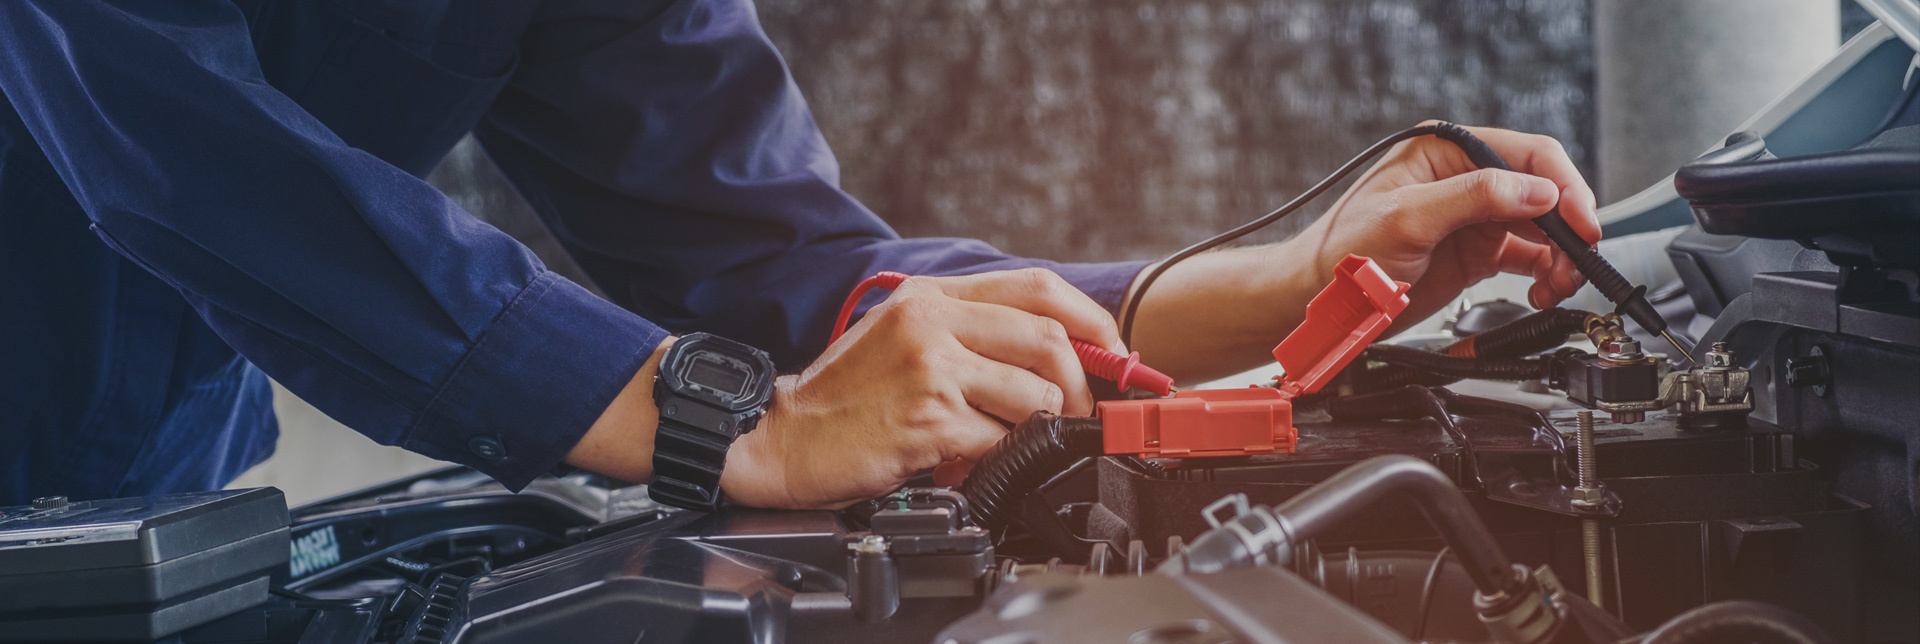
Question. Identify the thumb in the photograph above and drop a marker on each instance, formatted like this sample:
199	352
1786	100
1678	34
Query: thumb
1480	196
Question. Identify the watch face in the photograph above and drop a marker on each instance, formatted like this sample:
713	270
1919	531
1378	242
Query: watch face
722	376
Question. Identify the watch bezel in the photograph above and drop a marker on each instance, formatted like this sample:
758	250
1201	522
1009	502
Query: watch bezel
672	375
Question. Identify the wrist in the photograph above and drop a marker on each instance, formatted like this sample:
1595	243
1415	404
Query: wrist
755	473
620	442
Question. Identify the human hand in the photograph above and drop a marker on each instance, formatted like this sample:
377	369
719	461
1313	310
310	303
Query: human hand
926	377
1429	218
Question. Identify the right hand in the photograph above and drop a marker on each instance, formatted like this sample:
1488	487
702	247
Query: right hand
924	378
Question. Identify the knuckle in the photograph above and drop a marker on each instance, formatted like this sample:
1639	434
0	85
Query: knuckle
923	362
1487	187
914	309
1040	281
929	411
1052	332
1052	398
1550	144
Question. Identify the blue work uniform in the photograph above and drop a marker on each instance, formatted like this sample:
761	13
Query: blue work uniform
194	192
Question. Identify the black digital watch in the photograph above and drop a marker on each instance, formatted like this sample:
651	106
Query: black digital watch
710	390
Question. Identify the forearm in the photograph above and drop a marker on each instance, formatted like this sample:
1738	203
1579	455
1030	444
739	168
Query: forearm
1221	313
620	442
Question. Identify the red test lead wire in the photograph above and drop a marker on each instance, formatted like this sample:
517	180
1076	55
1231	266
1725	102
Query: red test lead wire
1125	371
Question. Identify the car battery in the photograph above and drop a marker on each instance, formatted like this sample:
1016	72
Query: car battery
136	568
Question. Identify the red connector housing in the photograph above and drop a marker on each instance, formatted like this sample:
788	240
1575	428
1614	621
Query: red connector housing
1341	321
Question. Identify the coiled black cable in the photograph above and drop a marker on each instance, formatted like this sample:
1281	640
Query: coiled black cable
1738	622
1038	449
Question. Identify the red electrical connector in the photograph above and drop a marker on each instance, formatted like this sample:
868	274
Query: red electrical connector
1125	371
1341	321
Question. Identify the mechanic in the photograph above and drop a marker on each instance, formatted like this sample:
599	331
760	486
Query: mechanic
196	195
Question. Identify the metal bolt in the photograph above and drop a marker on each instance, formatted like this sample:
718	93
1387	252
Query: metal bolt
1810	370
870	544
1586	469
1720	357
1590	549
1591	493
1622	349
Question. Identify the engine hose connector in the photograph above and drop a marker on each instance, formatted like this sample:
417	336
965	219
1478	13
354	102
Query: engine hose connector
1259	533
1038	449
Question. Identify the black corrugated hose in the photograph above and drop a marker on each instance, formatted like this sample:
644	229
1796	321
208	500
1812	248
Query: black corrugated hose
1738	622
1038	449
1538	331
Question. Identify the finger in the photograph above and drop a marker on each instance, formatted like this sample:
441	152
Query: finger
1566	280
1004	391
952	473
1037	344
1463	200
1553	275
970	436
1545	157
1040	292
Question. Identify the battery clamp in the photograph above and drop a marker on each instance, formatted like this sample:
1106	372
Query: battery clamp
1342	320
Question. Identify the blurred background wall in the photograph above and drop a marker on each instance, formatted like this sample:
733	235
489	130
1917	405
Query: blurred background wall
1110	129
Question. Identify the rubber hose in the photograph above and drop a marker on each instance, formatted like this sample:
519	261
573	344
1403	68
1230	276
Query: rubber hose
1450	366
1038	449
1738	622
1538	331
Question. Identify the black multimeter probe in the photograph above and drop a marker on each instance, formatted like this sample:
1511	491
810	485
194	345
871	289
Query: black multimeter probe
1629	300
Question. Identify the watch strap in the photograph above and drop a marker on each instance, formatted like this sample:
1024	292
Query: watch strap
686	467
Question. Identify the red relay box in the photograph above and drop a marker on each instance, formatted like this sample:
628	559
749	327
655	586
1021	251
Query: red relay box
1341	321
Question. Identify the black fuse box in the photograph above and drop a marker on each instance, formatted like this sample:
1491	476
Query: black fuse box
136	568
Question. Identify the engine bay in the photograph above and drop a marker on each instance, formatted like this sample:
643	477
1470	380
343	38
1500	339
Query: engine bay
1760	487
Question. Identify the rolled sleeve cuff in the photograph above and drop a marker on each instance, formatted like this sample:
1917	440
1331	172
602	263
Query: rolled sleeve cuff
1106	283
533	383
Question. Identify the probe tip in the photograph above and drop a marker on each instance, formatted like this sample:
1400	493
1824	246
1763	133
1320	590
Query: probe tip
1684	351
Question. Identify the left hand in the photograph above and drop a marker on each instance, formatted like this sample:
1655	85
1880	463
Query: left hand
1430	218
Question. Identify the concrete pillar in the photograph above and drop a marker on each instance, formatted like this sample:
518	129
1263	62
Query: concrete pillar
1675	76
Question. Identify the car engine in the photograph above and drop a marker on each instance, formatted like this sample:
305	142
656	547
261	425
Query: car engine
1761	488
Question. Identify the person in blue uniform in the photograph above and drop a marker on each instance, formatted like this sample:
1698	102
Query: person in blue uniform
196	195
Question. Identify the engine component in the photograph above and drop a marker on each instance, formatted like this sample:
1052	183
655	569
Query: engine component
1536	332
1349	313
1590	493
1259	536
1738	511
1739	621
1038	449
136	568
918	544
1473	319
1241	605
1715	395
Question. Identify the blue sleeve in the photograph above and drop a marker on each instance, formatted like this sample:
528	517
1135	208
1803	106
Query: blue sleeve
667	147
358	286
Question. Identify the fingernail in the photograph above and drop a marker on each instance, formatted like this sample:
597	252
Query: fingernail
1541	193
